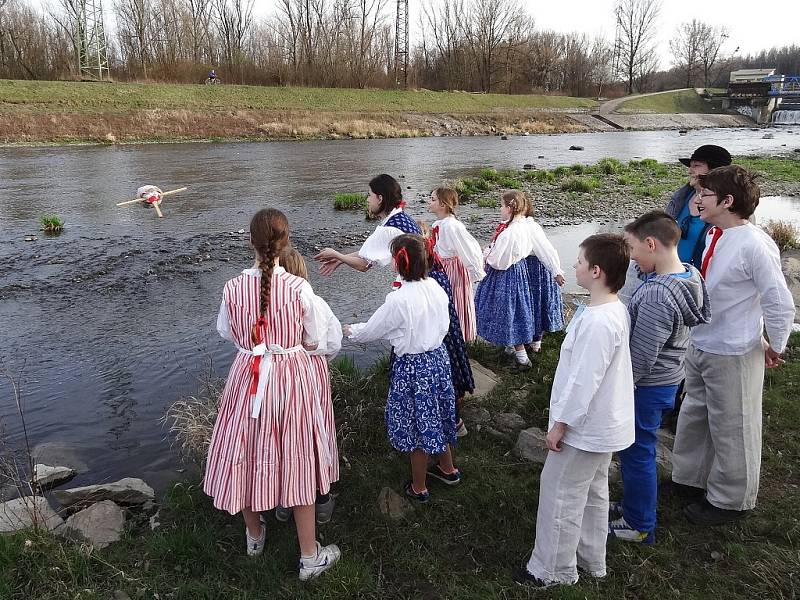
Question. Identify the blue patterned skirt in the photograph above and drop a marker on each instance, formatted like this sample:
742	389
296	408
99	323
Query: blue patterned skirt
421	407
548	308
503	306
460	368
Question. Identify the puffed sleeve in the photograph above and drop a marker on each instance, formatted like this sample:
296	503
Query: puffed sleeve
313	318
224	320
508	248
544	250
330	344
385	323
467	249
375	248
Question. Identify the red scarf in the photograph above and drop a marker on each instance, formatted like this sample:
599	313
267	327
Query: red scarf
501	227
715	233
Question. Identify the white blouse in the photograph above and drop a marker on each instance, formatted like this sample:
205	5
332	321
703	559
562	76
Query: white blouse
455	240
511	246
543	249
414	318
314	320
330	343
375	248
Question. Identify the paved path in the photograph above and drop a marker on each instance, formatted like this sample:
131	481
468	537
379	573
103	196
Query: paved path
609	107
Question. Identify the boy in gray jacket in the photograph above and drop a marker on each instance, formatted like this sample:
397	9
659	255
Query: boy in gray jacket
671	299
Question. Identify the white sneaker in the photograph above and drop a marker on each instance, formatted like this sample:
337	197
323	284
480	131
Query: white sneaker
461	429
326	557
255	546
510	350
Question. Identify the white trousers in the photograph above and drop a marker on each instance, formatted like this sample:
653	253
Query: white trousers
718	439
572	520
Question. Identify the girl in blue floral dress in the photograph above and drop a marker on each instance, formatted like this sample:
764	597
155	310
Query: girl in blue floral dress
420	409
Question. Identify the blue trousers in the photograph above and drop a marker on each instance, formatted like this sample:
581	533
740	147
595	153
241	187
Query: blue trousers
638	462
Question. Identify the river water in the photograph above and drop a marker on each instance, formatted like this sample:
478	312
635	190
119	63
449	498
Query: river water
113	320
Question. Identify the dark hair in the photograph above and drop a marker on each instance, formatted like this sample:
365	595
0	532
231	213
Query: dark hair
609	252
269	234
448	198
735	181
389	190
416	267
516	201
292	261
655	224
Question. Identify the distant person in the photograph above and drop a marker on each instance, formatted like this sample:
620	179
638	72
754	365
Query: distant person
683	209
591	416
212	75
327	348
421	407
546	279
717	452
270	445
671	299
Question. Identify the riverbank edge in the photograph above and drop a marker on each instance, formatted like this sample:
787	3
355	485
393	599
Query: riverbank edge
27	128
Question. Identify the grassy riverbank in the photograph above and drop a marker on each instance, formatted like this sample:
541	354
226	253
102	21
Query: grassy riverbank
63	112
677	102
463	544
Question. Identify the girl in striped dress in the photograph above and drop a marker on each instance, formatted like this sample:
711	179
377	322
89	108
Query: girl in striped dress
270	445
420	409
546	279
327	348
503	298
460	255
386	199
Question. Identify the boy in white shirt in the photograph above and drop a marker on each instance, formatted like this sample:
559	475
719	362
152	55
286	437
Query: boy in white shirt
591	416
717	453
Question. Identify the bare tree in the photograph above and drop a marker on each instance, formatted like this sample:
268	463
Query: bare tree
685	47
234	21
710	46
636	22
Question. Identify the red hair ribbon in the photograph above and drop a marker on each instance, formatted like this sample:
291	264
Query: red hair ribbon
397	284
402	253
402	204
435	259
500	228
259	329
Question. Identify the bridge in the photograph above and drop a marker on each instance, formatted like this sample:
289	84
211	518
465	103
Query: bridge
783	86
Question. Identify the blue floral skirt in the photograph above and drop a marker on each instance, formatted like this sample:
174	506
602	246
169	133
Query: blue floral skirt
460	369
421	407
503	306
548	308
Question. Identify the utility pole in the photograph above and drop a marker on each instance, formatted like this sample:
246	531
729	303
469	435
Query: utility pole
90	39
401	45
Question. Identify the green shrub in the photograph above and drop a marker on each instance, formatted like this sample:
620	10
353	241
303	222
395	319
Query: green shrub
489	174
579	184
560	171
578	169
488	202
342	201
543	176
609	166
52	224
508	182
626	179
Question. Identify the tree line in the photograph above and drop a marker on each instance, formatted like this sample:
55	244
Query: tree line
471	45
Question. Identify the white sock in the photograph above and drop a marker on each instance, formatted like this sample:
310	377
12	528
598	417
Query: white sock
522	356
313	557
536	346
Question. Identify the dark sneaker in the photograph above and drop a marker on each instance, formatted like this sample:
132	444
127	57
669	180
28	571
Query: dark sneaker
685	492
705	513
324	510
448	478
589	573
283	513
521	367
521	576
422	497
614	510
619	529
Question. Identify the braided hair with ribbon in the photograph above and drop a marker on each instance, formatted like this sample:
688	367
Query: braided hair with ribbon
269	235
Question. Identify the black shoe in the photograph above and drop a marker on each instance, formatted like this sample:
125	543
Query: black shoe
448	478
685	492
409	492
521	576
705	513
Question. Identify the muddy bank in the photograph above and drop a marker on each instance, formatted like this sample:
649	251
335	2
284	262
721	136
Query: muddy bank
174	125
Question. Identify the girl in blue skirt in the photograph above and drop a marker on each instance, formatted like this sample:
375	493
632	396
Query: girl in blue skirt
546	279
420	409
503	298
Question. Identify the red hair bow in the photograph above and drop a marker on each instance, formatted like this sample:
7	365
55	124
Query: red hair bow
402	253
259	329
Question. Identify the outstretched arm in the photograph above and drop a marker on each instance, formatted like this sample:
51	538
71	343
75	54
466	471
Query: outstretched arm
331	260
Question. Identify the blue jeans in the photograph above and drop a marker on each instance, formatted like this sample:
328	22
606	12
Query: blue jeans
638	462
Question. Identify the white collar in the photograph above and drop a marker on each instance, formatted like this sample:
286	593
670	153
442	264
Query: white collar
391	214
256	272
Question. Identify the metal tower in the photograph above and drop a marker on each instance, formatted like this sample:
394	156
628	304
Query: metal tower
401	45
90	39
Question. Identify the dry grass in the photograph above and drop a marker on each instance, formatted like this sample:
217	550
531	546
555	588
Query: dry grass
784	233
191	420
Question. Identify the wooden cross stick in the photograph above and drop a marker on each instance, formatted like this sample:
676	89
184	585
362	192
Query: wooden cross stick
162	195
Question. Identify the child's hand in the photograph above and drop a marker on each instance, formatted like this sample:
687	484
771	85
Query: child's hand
554	436
346	330
560	280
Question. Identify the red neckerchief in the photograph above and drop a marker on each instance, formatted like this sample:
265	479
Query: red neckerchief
498	230
715	233
259	330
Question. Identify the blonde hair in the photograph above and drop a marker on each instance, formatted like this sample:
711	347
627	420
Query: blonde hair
291	260
448	198
516	201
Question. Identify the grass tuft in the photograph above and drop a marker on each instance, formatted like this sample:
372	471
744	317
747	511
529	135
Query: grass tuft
343	201
784	233
580	184
52	224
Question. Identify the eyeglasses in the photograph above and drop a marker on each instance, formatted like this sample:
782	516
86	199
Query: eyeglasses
708	195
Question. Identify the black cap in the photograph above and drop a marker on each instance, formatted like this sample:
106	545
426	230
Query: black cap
713	156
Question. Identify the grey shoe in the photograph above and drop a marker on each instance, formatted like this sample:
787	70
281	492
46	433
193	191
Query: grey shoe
325	510
282	513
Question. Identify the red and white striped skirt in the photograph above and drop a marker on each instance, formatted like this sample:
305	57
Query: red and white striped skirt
463	297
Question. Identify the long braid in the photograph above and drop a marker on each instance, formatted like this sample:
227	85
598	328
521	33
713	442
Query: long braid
269	234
